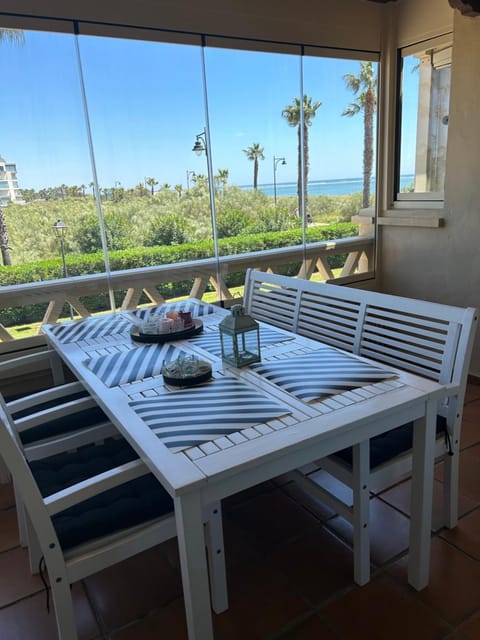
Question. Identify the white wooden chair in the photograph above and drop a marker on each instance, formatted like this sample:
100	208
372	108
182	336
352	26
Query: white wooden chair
46	364
424	338
73	551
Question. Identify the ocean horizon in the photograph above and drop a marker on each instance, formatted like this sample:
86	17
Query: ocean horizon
334	187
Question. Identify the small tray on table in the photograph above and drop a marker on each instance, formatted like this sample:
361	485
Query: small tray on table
160	338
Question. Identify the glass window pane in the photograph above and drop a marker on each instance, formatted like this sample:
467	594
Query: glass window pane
45	167
341	132
425	91
146	107
254	154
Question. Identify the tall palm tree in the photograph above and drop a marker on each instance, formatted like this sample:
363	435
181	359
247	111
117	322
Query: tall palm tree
255	153
15	36
364	86
292	114
152	184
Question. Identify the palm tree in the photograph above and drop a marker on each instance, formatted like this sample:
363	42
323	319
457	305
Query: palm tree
364	87
15	36
151	183
222	178
255	153
292	114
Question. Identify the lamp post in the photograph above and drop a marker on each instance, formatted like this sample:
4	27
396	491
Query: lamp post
60	229
189	173
276	161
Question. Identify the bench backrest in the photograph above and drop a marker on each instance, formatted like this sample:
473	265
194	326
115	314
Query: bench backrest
426	338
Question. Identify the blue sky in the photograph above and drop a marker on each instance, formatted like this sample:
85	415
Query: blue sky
146	105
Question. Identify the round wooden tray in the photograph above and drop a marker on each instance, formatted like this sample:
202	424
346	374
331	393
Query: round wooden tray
160	338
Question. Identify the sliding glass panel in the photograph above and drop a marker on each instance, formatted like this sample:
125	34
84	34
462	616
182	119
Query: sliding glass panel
146	105
44	173
340	104
254	154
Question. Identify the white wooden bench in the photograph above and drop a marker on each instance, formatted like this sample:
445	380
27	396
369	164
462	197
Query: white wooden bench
425	338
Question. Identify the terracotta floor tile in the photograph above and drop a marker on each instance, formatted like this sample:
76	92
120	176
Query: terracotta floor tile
471	628
470	434
271	518
399	497
466	535
381	610
16	580
311	629
317	564
471	411
7	497
168	622
389	531
262	602
308	500
472	391
131	589
8	529
469	474
453	590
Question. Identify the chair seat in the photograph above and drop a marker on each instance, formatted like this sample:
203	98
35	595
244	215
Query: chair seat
124	506
59	426
388	445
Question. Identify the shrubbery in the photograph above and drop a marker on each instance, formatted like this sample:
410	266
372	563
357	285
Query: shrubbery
83	264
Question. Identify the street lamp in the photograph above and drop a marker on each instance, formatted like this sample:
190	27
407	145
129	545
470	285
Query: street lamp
60	229
189	173
200	143
276	161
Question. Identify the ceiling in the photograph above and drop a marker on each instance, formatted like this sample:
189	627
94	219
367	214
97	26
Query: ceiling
466	7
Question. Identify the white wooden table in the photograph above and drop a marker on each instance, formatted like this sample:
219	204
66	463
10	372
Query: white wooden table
197	476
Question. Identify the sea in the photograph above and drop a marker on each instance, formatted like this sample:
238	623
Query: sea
337	187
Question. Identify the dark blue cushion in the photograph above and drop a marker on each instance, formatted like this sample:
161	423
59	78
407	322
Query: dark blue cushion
387	446
59	426
125	506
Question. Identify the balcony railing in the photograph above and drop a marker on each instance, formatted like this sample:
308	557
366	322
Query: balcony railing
134	282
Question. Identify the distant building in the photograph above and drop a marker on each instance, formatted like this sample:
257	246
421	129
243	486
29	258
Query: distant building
9	191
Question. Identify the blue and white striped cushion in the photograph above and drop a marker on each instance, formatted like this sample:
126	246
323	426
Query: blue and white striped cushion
137	363
91	328
197	309
320	374
188	417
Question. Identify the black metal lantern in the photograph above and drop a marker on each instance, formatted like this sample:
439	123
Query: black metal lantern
240	338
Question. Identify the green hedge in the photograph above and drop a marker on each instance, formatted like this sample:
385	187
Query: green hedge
82	264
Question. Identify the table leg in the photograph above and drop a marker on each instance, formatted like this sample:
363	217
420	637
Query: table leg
193	561
422	497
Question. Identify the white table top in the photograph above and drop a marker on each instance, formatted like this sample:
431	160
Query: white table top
304	430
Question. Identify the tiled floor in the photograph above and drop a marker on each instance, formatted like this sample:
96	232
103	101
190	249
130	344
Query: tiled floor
289	572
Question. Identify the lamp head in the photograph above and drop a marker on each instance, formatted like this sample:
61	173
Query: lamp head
59	228
198	147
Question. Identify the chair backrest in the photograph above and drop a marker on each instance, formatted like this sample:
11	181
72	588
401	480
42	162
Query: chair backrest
426	338
25	484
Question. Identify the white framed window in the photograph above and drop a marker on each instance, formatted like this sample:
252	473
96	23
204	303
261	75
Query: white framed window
425	72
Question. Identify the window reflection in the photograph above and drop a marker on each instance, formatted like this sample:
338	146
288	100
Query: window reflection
424	123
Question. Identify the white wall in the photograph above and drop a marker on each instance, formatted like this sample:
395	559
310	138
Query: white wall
444	264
